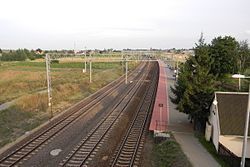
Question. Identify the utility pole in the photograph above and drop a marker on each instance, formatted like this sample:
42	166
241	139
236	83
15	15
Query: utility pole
126	75
85	63
85	59
177	70
90	68
244	146
140	55
74	50
122	63
239	84
49	84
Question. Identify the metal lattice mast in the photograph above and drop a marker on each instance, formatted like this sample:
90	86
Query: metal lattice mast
49	83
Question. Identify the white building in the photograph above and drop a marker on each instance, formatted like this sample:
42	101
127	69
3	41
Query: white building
227	117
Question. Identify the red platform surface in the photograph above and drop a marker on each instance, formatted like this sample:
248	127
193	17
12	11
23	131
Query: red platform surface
160	114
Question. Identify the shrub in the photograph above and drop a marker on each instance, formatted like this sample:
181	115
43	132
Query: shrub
55	61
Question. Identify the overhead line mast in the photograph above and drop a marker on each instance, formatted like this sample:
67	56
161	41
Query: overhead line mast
47	58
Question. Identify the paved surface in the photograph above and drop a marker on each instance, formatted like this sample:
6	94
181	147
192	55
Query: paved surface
6	105
183	132
159	116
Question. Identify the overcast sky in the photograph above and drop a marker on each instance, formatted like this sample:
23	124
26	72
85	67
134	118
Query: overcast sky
58	24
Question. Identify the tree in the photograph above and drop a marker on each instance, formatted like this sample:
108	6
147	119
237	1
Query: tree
194	88
182	88
224	54
30	54
243	56
18	55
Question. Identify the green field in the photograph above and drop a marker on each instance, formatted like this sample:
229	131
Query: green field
29	64
25	83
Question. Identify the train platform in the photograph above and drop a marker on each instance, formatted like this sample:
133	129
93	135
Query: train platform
159	118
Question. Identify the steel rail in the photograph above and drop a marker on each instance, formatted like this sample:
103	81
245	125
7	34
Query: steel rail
17	155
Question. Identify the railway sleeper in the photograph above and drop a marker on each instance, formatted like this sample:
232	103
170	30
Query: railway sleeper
127	151
125	158
4	165
131	148
121	162
126	155
74	162
130	142
121	165
72	165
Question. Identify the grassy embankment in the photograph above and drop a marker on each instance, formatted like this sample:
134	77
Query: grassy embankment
26	83
164	154
170	154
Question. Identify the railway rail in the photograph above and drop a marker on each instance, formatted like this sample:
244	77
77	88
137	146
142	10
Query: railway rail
48	132
129	151
87	148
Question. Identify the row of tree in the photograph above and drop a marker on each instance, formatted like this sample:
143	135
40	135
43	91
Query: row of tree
20	55
203	73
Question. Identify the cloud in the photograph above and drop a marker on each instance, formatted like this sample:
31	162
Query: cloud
247	32
131	29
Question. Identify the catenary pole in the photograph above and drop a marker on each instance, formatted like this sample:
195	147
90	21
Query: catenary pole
85	64
49	84
126	75
90	69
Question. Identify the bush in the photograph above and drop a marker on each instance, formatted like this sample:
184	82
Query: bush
33	103
20	55
55	61
13	56
170	154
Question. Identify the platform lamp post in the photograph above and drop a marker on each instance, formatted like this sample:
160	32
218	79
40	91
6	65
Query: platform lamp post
160	106
238	76
244	147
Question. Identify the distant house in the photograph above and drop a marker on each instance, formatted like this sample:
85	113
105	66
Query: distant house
39	51
227	117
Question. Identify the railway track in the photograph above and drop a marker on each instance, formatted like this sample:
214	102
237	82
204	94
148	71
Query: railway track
129	151
43	137
89	146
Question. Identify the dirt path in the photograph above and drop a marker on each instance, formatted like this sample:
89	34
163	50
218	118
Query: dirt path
8	104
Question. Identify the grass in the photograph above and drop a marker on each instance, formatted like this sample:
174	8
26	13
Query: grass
170	154
96	65
26	83
21	78
14	123
211	149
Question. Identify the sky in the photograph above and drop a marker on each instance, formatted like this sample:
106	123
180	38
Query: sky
118	24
